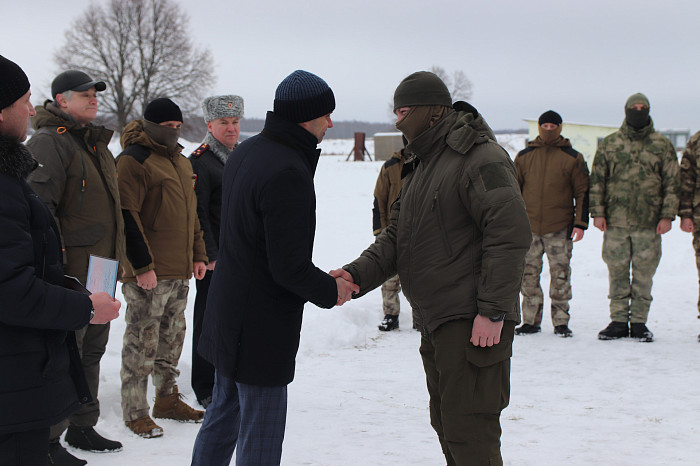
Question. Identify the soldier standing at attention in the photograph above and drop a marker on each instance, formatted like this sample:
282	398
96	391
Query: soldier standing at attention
222	115
386	191
634	199
689	208
553	178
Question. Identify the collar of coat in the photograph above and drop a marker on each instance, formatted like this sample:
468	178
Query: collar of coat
460	130
15	159
219	150
558	142
637	134
292	135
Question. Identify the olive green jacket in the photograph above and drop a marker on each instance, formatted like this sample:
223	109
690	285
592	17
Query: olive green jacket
690	182
634	179
459	230
77	180
386	190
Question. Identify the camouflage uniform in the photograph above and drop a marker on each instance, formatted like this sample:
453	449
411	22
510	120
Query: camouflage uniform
689	206
153	340
558	247
390	296
634	184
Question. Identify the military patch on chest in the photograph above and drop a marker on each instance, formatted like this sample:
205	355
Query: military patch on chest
494	175
194	181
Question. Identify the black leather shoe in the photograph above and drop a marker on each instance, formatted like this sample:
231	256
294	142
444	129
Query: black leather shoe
59	456
389	323
86	438
563	331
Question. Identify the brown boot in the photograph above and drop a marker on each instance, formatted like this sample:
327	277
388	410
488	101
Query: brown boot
172	407
145	427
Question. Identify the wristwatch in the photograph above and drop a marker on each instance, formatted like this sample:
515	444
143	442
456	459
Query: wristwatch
500	318
92	314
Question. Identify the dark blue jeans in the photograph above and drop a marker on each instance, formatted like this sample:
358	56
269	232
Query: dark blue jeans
249	417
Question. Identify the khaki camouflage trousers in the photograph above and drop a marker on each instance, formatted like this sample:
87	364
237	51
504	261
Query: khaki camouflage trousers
558	247
390	296
696	246
636	250
153	339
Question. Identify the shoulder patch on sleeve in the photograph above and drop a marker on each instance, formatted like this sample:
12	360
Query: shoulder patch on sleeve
200	150
137	151
494	175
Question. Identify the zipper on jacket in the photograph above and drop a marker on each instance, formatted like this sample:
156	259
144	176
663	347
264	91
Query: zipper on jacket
83	183
443	233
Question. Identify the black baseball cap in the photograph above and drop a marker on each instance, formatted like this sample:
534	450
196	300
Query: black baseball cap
74	80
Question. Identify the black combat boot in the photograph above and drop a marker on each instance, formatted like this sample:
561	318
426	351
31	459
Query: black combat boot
614	330
563	331
389	323
527	329
640	331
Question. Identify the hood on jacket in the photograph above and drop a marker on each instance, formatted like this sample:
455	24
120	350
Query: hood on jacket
134	134
49	115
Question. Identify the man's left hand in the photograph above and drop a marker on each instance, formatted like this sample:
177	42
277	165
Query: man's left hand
486	333
577	234
200	269
664	226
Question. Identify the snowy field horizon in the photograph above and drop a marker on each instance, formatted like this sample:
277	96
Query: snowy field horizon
359	395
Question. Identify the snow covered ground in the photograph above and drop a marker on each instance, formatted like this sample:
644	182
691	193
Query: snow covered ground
359	395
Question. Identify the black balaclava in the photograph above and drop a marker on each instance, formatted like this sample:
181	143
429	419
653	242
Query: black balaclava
637	119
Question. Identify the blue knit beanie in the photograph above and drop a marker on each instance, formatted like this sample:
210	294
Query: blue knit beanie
303	96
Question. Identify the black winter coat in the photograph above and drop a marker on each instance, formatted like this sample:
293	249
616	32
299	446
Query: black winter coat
209	170
264	274
41	379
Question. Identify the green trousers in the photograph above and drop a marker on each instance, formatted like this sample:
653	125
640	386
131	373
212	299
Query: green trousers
469	387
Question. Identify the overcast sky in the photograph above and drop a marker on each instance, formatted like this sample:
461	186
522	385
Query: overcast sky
580	58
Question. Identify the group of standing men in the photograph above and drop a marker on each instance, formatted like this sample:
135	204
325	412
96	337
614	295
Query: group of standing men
459	235
634	194
147	218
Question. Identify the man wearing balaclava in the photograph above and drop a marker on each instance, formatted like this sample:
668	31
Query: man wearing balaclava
164	247
457	238
553	178
634	198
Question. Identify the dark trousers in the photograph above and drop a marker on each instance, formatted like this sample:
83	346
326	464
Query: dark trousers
248	418
202	370
30	448
92	341
469	387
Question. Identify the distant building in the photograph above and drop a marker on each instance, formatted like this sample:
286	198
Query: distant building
585	137
386	144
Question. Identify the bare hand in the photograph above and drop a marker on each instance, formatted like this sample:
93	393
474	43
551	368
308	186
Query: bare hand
106	308
147	280
199	268
664	226
577	234
342	273
345	291
211	265
485	333
687	225
600	223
